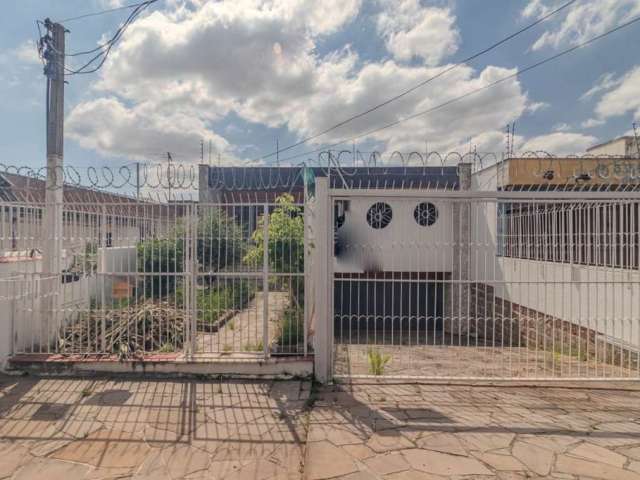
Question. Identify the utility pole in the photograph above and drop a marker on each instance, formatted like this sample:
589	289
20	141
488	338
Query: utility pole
277	153
53	51
209	151
201	151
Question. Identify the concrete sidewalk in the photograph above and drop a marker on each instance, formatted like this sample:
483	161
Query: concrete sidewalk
407	432
197	429
107	429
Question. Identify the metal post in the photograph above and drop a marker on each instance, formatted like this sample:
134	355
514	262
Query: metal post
265	281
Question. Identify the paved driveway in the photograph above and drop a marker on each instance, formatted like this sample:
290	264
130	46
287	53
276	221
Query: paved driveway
257	430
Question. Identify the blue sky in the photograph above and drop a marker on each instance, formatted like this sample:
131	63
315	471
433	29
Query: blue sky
241	75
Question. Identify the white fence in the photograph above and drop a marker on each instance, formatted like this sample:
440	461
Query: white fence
178	279
510	285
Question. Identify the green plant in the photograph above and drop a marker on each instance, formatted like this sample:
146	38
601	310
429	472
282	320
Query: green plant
161	257
377	361
214	301
286	238
86	392
167	348
219	243
227	348
291	332
254	347
232	325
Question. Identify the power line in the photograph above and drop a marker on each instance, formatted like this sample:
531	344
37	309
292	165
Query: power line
472	92
423	83
101	12
105	49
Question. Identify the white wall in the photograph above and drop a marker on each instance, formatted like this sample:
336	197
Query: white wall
402	246
608	307
585	296
22	319
117	259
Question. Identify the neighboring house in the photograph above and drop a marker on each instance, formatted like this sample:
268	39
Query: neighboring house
621	147
588	248
90	217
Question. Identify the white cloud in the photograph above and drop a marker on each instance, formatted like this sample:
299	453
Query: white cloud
605	82
109	127
561	127
623	98
534	107
592	122
582	20
559	143
166	86
618	96
411	30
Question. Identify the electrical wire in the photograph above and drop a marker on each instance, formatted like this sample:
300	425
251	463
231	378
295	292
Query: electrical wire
101	12
423	83
472	92
105	49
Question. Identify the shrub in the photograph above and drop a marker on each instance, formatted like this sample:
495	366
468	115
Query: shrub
219	243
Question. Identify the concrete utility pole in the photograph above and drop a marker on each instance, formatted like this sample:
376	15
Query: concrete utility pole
54	53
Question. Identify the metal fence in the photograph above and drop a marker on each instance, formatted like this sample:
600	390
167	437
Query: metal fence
477	285
141	278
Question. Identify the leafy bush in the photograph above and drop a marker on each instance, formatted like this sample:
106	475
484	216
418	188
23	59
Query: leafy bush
219	243
161	257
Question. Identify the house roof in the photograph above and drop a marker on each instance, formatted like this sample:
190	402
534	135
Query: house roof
29	191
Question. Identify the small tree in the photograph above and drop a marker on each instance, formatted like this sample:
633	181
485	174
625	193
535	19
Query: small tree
286	238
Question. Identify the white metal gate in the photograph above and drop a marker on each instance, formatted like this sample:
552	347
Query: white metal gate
477	285
178	279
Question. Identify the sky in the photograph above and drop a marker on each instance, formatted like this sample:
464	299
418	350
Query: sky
242	76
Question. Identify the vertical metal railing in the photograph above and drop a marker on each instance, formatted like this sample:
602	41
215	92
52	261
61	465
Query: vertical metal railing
500	285
179	279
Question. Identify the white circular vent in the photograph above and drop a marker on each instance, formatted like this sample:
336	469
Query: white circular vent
379	215
425	214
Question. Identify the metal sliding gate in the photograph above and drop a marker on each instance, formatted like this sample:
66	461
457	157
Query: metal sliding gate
139	278
485	285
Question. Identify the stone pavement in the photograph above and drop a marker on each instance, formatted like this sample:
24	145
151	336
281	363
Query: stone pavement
72	429
107	429
410	432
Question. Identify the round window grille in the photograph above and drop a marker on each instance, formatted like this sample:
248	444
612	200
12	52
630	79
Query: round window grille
379	215
425	214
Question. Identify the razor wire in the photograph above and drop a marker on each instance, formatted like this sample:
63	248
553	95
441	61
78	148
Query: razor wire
181	182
